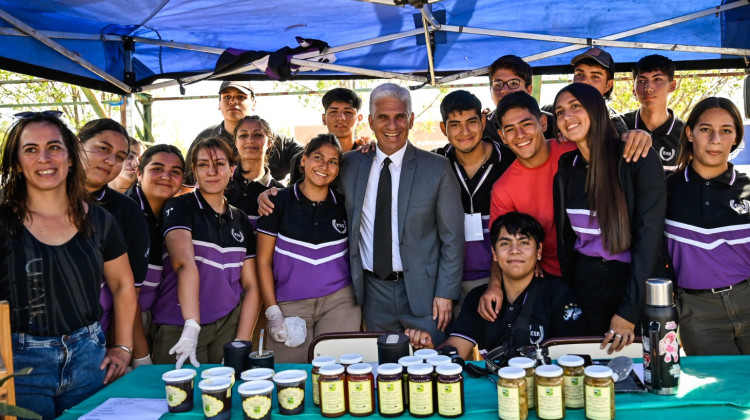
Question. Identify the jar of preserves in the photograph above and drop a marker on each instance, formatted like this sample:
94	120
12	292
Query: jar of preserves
405	362
572	380
549	392
450	390
425	353
529	366
420	390
512	403
360	385
332	390
390	390
599	393
317	363
349	359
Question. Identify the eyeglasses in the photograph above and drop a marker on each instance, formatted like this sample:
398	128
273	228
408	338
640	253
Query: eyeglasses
497	85
31	114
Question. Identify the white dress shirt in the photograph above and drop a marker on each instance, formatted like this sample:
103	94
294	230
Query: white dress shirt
368	208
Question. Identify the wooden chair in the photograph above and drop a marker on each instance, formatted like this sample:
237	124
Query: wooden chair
336	344
589	345
7	392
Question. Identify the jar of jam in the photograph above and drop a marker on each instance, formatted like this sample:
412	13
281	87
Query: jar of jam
290	391
549	392
420	390
332	390
599	393
572	380
528	365
405	362
512	403
360	385
425	353
450	390
349	359
390	390
317	363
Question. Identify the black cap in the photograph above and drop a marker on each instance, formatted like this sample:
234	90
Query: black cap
600	56
245	87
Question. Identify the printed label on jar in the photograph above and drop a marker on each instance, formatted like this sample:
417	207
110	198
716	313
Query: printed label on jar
508	403
598	403
316	388
420	398
573	391
332	397
257	406
530	392
211	406
449	399
175	396
550	399
360	398
291	398
391	397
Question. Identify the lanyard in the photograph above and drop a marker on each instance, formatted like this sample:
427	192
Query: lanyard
466	187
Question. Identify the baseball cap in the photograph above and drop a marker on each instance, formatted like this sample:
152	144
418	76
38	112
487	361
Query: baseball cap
600	56
242	86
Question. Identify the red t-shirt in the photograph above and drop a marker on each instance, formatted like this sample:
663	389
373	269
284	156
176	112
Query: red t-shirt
529	190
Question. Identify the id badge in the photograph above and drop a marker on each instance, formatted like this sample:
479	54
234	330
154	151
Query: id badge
473	227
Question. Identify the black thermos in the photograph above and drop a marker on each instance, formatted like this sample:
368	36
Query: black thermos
661	348
392	346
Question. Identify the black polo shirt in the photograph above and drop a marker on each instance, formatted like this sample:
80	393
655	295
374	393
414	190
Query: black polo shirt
666	138
555	313
243	193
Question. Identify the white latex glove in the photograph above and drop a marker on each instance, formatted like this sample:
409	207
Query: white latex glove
297	328
276	324
143	361
187	344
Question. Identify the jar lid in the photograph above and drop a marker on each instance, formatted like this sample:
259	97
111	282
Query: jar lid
290	376
350	359
549	371
410	360
359	369
323	360
178	375
598	371
215	383
570	360
333	369
438	360
255	387
512	372
449	369
217	371
425	353
257	374
420	369
522	362
390	369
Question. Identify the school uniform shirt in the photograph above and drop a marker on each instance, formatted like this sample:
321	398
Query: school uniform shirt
311	258
666	138
222	243
475	197
243	193
708	228
150	284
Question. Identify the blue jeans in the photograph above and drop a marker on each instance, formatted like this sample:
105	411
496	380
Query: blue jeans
66	369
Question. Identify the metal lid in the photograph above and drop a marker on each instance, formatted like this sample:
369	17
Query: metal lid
549	371
522	362
512	372
440	359
390	369
449	369
359	369
570	360
659	292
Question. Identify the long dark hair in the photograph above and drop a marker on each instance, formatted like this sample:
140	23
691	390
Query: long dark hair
603	189
15	193
265	127
158	148
686	146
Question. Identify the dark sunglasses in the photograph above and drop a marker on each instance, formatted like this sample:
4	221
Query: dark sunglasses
31	114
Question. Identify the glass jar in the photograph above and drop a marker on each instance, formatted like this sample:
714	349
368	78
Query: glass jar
528	365
317	363
450	390
349	359
572	380
549	392
512	403
390	390
425	353
599	393
360	385
420	390
332	390
405	362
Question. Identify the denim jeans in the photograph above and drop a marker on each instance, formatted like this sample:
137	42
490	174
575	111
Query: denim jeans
66	369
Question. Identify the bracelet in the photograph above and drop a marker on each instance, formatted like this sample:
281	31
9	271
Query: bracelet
126	348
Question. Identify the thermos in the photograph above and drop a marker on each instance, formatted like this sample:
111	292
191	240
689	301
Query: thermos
661	348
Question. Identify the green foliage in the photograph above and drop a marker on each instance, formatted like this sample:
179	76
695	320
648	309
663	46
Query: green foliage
10	410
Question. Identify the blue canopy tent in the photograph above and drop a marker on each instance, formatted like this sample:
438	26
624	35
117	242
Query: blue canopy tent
138	45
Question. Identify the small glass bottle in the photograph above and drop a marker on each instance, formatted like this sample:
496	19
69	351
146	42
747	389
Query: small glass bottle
450	390
390	390
512	403
332	390
360	385
600	393
349	359
405	362
549	392
528	365
317	363
572	379
420	390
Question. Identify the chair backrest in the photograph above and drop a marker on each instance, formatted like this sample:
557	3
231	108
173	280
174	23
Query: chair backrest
589	345
7	392
336	344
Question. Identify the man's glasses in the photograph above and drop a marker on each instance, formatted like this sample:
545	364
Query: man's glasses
497	85
31	114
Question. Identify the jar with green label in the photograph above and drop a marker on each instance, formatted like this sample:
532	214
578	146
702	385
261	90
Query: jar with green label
290	391
349	359
450	390
529	366
256	399
405	362
390	390
317	363
420	390
332	390
512	403
599	393
550	400
360	385
572	380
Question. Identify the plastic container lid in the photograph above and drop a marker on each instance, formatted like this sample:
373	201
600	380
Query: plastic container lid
438	360
178	375
449	369
350	359
333	369
570	360
290	376
425	353
521	362
410	360
420	369
257	374
390	369
217	371
597	371
323	360
215	383
512	372
549	371
255	387
359	369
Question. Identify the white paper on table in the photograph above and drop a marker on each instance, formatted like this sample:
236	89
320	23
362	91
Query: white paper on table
128	408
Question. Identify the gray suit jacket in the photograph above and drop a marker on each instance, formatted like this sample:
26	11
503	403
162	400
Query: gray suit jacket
430	225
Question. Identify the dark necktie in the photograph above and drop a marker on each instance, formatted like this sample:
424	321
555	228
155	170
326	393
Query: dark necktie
381	249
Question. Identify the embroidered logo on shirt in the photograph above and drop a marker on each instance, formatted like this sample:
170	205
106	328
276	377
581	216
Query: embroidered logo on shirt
536	336
742	207
339	227
572	311
169	210
666	154
238	236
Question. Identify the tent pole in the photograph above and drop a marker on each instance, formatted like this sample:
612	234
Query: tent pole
62	50
355	70
428	46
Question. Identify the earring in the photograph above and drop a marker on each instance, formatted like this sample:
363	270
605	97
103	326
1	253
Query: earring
539	257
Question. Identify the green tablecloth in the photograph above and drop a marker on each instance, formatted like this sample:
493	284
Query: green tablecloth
711	387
